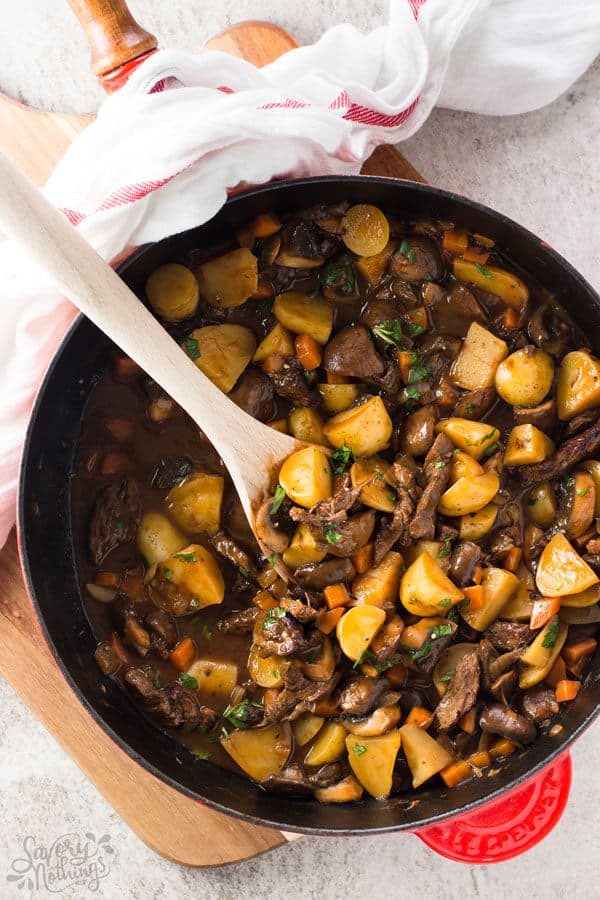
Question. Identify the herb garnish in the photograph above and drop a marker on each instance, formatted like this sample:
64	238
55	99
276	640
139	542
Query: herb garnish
418	373
207	632
470	409
412	393
188	681
447	676
202	754
582	492
446	602
157	681
243	571
277	500
485	272
341	459
278	612
407	250
439	631
415	330
332	535
365	657
195	603
390	331
191	347
187	557
238	715
272	559
443	553
339	277
359	749
551	635
167	573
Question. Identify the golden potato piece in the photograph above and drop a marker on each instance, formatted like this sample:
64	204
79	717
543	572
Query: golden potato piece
520	606
379	585
589	597
372	760
278	342
475	525
366	429
499	586
329	745
433	548
373	267
506	285
541	655
561	570
593	467
214	676
307	425
157	538
357	628
582	502
376	474
525	377
338	397
479	357
578	387
172	292
469	495
304	315
306	477
195	569
264	670
222	352
260	752
365	230
306	727
475	438
464	466
425	757
527	445
541	505
302	549
228	280
195	504
426	591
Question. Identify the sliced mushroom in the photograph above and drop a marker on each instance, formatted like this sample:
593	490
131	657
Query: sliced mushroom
416	259
381	720
498	719
268	532
299	247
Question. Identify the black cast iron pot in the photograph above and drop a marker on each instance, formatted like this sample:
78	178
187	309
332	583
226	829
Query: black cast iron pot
48	547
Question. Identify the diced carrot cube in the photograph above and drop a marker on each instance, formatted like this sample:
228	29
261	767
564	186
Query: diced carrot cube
473	254
557	673
481	759
475	594
108	579
543	610
510	319
328	619
264	225
264	600
334	378
502	747
456	773
183	655
574	652
468	723
308	351
455	241
273	363
567	690
512	559
404	361
420	717
336	595
364	558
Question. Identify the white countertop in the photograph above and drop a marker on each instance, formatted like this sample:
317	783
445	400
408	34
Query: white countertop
541	169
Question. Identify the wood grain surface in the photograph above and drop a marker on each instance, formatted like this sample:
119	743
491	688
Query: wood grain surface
172	824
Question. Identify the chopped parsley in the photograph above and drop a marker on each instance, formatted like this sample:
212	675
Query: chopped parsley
187	557
278	612
243	571
191	347
167	573
277	500
447	676
443	553
532	501
485	272
422	651
463	604
202	754
408	251
275	673
359	749
582	492
418	373
489	451
272	559
415	330
412	393
332	535
551	635
207	632
439	464
341	459
157	681
195	603
339	277
470	409
188	681
265	306
120	523
390	331
446	602
238	715
365	657
439	631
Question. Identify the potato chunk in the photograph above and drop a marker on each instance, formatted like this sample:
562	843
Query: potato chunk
468	495
372	760
307	425
379	585
475	525
222	352
506	285
475	438
195	504
329	745
278	342
304	315
264	670
541	505
541	655
302	549
464	466
214	676
228	280
195	570
260	752
373	267
157	538
365	230
578	387
593	467
365	429
376	475
306	477
425	590
306	727
525	377
527	445
561	570
499	586
338	397
425	757
172	292
357	628
479	357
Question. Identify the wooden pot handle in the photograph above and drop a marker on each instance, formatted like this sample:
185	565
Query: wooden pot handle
115	37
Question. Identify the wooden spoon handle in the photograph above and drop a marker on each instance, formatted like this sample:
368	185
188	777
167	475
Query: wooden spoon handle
248	448
114	36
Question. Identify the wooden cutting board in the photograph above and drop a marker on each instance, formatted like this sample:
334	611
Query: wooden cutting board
172	824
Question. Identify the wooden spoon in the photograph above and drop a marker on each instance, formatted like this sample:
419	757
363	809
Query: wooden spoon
250	450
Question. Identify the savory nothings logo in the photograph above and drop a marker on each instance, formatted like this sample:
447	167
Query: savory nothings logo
71	860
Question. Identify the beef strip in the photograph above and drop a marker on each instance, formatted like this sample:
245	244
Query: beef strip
351	352
290	704
344	538
461	693
290	384
538	704
255	394
115	518
360	694
241	622
498	719
280	634
487	657
572	451
293	780
387	640
172	705
503	541
427	663
465	558
396	529
334	509
317	576
509	635
299	610
437	474
163	632
228	548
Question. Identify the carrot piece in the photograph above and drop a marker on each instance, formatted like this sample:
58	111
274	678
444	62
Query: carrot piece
125	367
183	655
369	670
404	361
510	319
264	600
473	254
117	647
482	239
336	595
543	610
270	696
567	690
420	717
502	747
512	559
574	652
113	464
363	559
397	675
475	595
481	759
328	619
456	772
455	241
273	363
418	316
467	722
328	706
308	351
477	575
264	225
108	579
557	673
334	378
121	429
